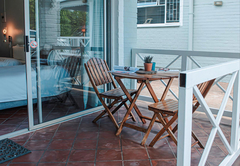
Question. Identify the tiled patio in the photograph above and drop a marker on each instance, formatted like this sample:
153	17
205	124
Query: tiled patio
81	142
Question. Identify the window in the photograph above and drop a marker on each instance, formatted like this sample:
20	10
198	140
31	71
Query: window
158	12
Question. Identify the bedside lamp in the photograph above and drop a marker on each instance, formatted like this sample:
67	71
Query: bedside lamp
4	35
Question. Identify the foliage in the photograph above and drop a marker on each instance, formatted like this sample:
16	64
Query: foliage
32	14
71	22
148	59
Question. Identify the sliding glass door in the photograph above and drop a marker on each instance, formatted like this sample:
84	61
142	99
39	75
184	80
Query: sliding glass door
62	35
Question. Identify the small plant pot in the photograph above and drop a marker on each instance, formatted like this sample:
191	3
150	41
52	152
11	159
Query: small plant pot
148	66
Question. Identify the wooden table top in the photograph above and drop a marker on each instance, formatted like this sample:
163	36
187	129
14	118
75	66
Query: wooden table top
159	75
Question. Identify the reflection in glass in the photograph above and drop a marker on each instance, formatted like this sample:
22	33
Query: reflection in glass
70	33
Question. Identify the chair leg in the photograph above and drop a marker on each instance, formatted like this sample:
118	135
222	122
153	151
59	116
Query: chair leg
197	140
149	129
168	129
104	112
109	113
131	114
165	128
130	108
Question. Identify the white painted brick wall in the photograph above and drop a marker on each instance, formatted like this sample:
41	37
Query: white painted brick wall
215	29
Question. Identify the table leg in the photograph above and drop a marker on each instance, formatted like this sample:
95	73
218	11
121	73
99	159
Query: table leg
151	91
167	89
131	105
130	98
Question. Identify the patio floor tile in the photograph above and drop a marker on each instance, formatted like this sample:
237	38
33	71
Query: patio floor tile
82	155
80	142
166	153
62	134
32	157
135	154
171	162
138	163
55	156
80	164
108	154
51	164
37	144
85	144
109	163
60	144
109	143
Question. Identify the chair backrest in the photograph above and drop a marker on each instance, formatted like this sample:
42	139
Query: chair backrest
98	72
72	64
204	88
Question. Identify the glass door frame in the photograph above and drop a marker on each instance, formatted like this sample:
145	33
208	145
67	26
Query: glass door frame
106	54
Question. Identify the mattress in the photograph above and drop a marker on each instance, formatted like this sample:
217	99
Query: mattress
54	81
9	62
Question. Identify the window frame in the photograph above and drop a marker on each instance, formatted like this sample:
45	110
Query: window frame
165	24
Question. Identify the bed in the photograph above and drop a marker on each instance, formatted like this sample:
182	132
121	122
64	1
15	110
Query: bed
13	92
4	61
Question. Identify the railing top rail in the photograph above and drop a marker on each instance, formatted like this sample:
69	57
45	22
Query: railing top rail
71	37
188	53
196	76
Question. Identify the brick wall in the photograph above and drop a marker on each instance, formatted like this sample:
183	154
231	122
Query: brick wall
215	29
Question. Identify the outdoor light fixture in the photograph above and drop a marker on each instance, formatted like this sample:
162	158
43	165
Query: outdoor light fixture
83	29
218	3
4	35
84	1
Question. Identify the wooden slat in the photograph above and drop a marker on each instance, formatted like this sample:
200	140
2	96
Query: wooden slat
95	71
106	68
99	72
134	127
103	72
92	74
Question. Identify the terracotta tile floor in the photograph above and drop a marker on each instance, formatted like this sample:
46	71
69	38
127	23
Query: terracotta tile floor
81	143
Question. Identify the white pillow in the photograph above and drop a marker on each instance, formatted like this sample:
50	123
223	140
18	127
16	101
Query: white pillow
9	62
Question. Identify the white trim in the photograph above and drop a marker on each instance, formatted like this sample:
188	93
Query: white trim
28	66
114	31
162	25
121	33
159	25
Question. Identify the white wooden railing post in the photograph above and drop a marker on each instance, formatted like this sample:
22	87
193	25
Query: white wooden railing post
184	123
133	83
184	64
235	114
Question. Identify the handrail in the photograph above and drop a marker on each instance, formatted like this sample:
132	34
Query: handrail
186	56
188	53
188	86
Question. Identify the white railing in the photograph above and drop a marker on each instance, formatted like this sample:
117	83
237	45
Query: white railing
189	80
186	57
192	78
73	41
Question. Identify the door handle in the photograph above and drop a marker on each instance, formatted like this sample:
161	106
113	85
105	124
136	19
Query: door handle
26	48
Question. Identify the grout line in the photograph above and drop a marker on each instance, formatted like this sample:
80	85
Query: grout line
120	137
74	140
48	144
150	160
95	158
171	148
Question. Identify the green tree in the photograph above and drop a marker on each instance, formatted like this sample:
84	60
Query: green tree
72	22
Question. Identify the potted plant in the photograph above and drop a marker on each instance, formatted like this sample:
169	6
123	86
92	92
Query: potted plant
148	63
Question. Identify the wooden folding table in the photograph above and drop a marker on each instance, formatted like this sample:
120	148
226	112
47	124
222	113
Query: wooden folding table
143	79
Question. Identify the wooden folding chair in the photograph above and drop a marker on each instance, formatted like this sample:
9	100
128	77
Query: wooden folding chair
72	66
169	108
98	72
